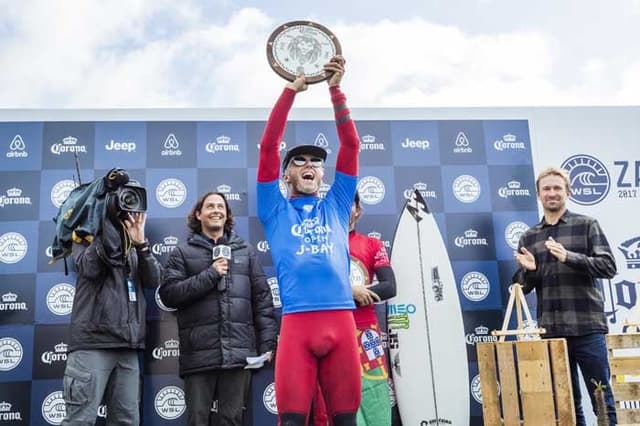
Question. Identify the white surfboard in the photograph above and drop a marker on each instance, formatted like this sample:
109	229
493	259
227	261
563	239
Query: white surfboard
426	331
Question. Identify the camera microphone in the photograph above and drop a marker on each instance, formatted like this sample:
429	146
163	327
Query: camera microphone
223	252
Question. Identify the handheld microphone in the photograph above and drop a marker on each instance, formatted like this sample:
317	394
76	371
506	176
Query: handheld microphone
223	252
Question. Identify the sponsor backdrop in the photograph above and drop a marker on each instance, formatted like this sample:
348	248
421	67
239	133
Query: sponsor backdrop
475	168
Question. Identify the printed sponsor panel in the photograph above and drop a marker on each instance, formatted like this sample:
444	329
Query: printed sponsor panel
16	353
507	142
171	193
375	143
478	326
470	236
427	180
18	247
164	402
230	182
65	143
17	298
14	403
50	351
381	227
461	142
47	402
20	146
512	188
508	228
54	297
171	144
165	235
55	186
263	397
19	198
415	143
162	348
466	189
255	130
319	133
222	144
46	232
121	144
376	187
257	238
478	285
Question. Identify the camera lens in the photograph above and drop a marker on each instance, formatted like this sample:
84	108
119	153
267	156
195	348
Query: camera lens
129	200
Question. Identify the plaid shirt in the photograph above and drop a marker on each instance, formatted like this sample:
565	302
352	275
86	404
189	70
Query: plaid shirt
570	300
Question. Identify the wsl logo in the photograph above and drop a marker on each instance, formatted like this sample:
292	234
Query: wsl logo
171	193
480	335
59	354
171	147
60	299
222	144
169	402
61	190
513	232
589	178
371	190
11	353
462	144
513	189
7	414
466	189
166	246
17	148
631	251
170	349
120	146
475	286
14	198
508	143
422	188
229	195
10	303
53	408
369	143
269	398
275	292
68	145
13	247
470	238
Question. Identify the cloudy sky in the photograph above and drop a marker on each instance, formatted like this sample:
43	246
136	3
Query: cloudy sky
413	53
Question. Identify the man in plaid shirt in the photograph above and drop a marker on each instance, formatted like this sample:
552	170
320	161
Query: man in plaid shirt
561	258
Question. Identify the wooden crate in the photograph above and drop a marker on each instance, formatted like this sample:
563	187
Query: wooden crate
533	383
623	362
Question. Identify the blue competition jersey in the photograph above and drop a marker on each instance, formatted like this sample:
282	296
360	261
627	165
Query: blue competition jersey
309	242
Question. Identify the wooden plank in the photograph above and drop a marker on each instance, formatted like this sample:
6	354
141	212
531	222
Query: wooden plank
488	383
626	391
562	382
628	417
623	341
508	384
625	365
534	373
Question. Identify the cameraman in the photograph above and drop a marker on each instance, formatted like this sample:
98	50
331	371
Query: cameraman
108	319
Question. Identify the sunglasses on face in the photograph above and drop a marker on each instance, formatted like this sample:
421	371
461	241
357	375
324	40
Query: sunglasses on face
301	161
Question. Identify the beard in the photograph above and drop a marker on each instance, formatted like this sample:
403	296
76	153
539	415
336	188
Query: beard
307	187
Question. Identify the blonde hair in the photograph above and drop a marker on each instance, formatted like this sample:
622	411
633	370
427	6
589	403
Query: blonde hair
554	171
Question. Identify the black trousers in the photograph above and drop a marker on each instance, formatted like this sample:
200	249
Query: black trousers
228	387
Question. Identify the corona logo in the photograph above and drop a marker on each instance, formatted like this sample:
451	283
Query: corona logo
168	244
375	235
470	238
171	349
14	192
14	197
59	354
631	251
513	189
10	303
222	144
226	190
422	188
9	297
508	143
223	140
369	144
69	144
262	246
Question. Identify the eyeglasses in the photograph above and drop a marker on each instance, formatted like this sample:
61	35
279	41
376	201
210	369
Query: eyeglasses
301	161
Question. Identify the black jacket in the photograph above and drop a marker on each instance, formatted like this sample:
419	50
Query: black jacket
218	329
102	316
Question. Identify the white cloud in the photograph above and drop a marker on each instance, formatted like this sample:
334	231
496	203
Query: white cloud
124	53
